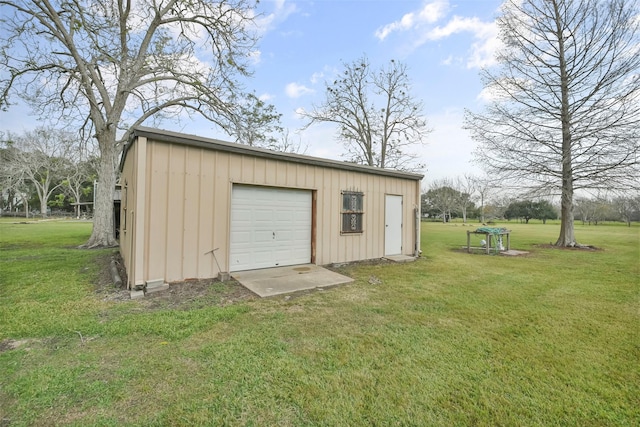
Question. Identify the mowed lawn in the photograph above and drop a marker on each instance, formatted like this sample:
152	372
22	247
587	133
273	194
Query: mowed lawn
552	338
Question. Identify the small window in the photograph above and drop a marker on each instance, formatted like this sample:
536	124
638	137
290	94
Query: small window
352	205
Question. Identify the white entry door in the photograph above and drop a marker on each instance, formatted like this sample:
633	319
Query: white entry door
270	227
393	225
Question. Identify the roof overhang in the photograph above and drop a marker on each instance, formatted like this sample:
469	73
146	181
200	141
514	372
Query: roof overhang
229	147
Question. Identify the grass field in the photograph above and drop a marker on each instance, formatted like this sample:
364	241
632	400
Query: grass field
551	338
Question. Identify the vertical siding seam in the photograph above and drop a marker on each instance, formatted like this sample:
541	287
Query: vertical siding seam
198	217
167	208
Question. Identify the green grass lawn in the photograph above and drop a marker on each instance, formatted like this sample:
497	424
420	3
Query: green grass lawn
551	338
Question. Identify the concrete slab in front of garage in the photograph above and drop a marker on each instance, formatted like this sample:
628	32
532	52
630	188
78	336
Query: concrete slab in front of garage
283	280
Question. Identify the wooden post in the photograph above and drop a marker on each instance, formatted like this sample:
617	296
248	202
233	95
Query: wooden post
468	241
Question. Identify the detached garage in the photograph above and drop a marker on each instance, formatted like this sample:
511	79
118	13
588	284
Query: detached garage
194	207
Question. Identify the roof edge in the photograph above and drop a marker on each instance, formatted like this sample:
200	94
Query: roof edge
215	144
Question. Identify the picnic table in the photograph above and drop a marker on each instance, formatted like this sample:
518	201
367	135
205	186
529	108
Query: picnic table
490	233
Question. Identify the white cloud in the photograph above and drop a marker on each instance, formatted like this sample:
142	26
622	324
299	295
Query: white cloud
295	90
485	34
421	25
255	56
281	11
266	97
429	13
316	77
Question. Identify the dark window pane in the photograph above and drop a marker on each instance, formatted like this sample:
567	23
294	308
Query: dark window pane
352	223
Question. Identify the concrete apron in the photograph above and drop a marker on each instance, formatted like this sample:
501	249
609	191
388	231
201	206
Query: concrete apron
283	280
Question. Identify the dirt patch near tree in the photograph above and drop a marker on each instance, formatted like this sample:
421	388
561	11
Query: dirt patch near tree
180	295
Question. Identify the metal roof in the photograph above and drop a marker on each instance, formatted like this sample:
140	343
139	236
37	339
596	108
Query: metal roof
215	144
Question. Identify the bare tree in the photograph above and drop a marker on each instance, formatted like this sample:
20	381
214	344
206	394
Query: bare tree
378	119
626	207
288	144
255	122
113	65
40	157
13	184
565	113
484	187
466	186
78	174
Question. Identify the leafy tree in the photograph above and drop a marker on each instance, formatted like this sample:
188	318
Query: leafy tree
565	113
112	65
521	209
442	198
545	211
528	209
378	119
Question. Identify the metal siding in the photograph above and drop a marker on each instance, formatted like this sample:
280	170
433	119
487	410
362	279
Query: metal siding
126	226
189	202
175	218
191	210
158	200
221	211
206	191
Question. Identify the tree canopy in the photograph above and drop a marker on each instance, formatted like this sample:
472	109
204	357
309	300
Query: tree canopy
529	209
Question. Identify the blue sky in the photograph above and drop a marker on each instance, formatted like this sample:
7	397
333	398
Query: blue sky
443	42
304	42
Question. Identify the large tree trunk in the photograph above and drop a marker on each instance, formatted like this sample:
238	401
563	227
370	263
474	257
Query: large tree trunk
567	236
103	233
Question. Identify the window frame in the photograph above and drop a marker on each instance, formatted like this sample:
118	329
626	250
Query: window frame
355	211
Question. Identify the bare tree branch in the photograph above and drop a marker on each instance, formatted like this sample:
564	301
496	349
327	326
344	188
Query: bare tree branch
378	120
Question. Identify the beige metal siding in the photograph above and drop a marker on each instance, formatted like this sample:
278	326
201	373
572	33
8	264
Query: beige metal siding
130	247
188	201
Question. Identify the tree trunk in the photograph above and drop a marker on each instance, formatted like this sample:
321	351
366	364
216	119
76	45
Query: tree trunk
43	206
103	233
567	235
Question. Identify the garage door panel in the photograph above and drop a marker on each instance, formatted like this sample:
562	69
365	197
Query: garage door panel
262	236
269	227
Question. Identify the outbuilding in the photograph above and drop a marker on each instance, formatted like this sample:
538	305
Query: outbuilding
194	208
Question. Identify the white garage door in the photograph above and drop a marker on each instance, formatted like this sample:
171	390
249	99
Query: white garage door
270	227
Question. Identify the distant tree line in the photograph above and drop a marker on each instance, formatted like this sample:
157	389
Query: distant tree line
43	171
480	200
